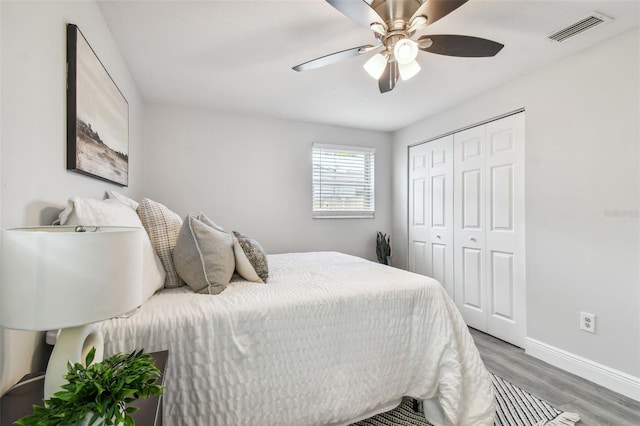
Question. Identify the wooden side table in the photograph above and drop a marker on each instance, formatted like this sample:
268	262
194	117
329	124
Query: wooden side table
18	402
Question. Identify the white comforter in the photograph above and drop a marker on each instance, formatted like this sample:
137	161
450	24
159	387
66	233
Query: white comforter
329	337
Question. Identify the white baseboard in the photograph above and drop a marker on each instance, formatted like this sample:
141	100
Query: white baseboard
617	381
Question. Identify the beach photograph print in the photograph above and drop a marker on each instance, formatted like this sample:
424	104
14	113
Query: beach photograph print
97	115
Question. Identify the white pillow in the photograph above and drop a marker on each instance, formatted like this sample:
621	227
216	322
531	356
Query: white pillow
123	198
111	212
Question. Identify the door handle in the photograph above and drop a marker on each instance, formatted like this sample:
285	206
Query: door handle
438	237
472	239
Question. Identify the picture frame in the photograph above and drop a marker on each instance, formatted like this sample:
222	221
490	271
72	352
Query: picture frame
97	115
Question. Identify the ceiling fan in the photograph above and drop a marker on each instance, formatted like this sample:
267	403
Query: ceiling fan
394	24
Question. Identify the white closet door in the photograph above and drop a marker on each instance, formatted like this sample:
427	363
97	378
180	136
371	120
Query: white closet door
489	227
431	210
440	207
469	223
505	229
466	222
418	215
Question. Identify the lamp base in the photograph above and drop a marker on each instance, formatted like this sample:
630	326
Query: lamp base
73	345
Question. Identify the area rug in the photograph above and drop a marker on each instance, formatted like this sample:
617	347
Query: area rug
514	407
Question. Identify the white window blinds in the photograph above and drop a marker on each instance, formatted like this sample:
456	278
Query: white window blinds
343	181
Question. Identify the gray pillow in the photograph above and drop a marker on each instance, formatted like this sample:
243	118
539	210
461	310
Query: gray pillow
255	255
204	219
203	255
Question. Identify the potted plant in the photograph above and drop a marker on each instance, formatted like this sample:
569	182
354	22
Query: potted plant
97	394
383	248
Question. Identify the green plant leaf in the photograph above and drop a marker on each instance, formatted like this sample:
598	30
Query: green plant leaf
100	390
90	357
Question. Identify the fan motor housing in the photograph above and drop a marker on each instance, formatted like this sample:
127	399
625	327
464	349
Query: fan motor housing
395	10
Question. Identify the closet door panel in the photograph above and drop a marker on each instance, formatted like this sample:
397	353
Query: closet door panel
469	226
502	285
419	192
471	201
418	257
438	201
431	210
418	214
440	251
501	212
439	262
472	277
505	229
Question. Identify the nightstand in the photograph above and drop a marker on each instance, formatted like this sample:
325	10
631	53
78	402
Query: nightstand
18	402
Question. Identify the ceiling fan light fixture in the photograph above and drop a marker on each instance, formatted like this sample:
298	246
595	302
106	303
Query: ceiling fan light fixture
425	42
378	28
375	65
394	24
408	70
405	51
417	23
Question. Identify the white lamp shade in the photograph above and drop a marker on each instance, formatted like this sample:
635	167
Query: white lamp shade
408	70
375	65
54	277
405	51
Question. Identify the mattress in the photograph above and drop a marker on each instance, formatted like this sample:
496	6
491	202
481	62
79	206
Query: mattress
328	338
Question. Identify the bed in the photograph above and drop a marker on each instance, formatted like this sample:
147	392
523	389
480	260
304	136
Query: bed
327	340
330	339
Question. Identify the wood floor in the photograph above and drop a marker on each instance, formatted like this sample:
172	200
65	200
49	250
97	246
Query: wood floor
597	406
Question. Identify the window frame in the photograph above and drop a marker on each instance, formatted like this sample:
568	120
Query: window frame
368	163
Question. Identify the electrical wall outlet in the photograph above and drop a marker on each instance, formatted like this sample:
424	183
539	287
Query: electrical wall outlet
587	322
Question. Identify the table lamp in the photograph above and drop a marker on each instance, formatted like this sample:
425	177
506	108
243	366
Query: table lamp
69	277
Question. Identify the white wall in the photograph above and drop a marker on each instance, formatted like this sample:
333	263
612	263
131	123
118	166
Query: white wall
254	175
582	162
33	131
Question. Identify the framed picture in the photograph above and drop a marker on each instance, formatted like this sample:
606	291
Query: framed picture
97	115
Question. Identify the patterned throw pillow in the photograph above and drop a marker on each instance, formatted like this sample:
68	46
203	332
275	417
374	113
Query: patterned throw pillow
203	255
163	227
251	261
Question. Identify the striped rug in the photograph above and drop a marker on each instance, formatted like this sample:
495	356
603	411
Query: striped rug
514	407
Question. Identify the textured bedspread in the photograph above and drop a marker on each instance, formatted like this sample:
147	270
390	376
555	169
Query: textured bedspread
329	337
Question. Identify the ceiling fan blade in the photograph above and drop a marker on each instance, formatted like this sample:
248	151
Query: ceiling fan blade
436	9
389	77
333	58
358	10
459	45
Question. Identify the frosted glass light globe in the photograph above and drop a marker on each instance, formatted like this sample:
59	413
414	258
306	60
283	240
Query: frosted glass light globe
405	51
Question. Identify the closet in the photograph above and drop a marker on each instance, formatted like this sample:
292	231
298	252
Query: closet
466	222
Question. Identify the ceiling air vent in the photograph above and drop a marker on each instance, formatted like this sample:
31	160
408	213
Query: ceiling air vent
579	27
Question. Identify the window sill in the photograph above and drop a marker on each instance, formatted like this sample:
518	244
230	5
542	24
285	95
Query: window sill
343	217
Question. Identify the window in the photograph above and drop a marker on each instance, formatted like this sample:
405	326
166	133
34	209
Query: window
343	181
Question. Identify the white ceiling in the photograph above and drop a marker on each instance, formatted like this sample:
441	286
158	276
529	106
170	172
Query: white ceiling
237	55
